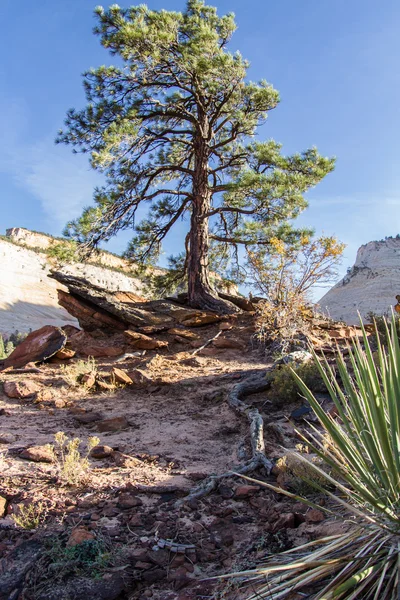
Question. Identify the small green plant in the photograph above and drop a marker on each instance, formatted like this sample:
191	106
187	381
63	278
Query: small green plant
285	387
58	562
30	516
73	373
72	466
361	448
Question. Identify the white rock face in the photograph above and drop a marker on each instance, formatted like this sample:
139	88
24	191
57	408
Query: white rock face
28	297
371	285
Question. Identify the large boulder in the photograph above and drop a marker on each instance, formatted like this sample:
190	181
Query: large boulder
37	347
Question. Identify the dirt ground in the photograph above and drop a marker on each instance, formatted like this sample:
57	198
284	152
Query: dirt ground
125	531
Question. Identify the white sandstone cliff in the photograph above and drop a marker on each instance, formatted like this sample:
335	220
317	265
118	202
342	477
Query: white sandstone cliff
28	297
371	285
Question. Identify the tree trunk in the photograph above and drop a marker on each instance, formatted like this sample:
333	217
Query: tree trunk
200	292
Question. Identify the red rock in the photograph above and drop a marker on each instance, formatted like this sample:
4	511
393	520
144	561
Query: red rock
78	536
38	454
314	516
285	521
124	460
143	342
185	333
21	389
100	451
37	347
228	343
65	354
114	424
199	319
139	377
59	403
244	491
126	500
89	417
88	380
121	376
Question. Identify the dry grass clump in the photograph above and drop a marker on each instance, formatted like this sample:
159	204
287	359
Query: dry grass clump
30	516
73	467
73	372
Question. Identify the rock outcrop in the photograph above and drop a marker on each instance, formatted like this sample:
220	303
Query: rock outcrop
371	285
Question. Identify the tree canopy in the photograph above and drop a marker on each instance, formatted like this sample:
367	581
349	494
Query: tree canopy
172	126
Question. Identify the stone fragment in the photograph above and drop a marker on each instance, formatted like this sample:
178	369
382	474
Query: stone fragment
314	516
65	353
139	377
228	343
38	454
89	380
37	347
200	319
143	342
185	333
113	424
124	460
6	437
245	491
126	500
100	451
21	389
89	417
121	376
285	521
78	536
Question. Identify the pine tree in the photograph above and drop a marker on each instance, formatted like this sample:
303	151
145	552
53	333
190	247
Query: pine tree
172	127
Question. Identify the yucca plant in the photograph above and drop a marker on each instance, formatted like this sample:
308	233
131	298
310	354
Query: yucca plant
363	457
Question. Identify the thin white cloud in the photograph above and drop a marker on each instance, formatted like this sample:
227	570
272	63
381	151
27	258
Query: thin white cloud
62	182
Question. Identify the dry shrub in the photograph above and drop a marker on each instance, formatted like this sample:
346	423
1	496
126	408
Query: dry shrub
72	466
30	516
284	327
73	372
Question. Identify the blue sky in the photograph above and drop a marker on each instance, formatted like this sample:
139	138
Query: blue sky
336	65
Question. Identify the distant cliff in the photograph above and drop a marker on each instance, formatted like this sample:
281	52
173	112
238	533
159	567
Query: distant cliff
371	285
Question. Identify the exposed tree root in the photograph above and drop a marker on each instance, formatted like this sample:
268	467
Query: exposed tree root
251	385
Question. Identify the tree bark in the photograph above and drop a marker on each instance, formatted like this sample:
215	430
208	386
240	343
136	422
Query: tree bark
200	291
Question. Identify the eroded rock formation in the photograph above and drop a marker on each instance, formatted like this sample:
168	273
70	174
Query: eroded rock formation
371	285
